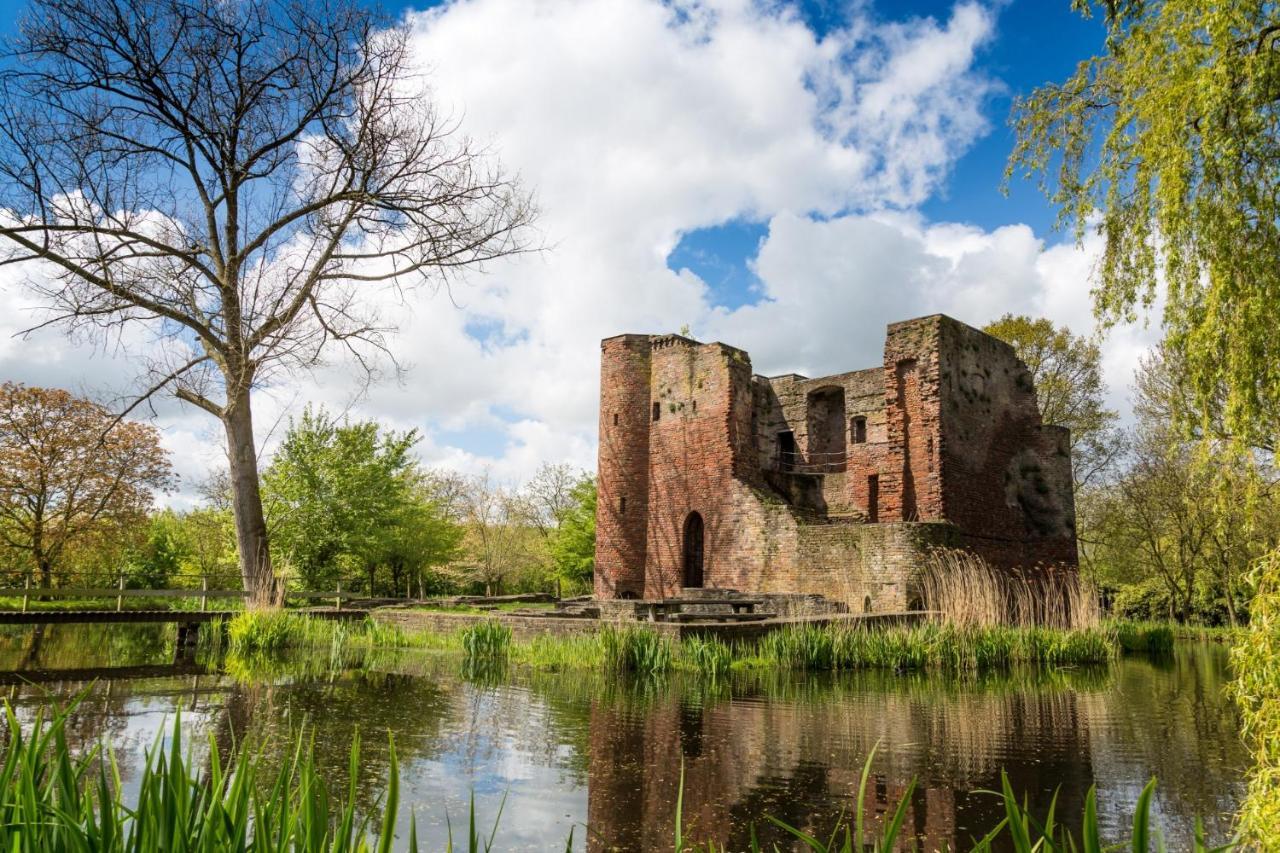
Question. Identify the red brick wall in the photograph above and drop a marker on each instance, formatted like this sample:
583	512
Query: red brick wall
910	487
702	438
623	473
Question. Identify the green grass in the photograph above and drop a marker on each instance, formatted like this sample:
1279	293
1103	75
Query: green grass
638	650
268	631
1155	638
471	609
51	800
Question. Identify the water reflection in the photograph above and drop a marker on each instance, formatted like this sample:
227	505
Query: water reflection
567	749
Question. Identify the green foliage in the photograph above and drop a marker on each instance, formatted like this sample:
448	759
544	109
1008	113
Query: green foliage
160	556
347	503
1255	658
268	631
1144	637
573	542
264	631
931	646
707	655
1169	143
487	640
1174	530
52	801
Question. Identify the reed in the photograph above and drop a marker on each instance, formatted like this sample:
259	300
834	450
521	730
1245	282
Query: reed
635	650
485	648
275	630
1152	638
50	801
929	646
967	591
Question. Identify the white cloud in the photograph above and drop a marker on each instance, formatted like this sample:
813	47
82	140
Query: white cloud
638	121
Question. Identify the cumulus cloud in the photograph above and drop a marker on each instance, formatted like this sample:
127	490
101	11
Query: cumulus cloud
637	122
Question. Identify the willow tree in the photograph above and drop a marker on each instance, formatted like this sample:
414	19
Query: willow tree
1168	142
246	180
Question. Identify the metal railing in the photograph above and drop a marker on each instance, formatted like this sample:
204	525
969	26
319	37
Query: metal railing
794	462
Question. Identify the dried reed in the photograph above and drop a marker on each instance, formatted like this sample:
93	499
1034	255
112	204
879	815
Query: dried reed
965	590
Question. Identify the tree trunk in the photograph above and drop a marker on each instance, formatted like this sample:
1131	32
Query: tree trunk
246	503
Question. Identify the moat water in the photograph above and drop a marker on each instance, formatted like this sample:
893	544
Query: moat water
557	751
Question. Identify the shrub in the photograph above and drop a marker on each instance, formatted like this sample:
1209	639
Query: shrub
264	631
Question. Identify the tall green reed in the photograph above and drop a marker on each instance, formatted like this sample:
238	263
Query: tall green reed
635	650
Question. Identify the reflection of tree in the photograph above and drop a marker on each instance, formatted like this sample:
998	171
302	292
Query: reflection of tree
85	646
1170	719
792	746
332	711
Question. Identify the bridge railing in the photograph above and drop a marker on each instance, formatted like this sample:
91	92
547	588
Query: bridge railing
120	592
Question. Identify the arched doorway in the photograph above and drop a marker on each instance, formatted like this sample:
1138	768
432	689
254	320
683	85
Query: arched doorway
693	550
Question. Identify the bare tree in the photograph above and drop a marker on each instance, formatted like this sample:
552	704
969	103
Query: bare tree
243	179
497	543
548	495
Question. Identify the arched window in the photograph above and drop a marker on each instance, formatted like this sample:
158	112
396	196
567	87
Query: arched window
866	604
858	430
693	550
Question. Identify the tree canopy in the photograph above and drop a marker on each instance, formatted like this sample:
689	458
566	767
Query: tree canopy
1168	144
247	181
346	500
70	470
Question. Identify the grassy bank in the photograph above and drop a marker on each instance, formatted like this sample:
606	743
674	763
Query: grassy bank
832	647
808	648
51	800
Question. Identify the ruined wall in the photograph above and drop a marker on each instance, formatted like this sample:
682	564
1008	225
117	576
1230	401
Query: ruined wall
1007	480
871	567
700	454
946	430
784	403
910	482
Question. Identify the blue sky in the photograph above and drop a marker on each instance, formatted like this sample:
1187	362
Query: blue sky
788	179
1036	41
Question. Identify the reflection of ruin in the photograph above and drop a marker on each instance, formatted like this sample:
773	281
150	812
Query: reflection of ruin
800	761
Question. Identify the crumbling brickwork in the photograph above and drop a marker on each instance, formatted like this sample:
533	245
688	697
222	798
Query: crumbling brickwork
713	477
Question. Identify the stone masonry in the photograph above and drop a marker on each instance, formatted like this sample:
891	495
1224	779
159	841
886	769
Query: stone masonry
711	476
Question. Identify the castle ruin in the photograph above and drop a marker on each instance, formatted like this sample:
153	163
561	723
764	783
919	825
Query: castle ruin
711	476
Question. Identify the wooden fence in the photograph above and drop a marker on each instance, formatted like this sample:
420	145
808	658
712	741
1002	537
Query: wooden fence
120	592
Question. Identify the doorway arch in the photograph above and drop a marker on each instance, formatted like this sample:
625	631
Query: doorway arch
693	550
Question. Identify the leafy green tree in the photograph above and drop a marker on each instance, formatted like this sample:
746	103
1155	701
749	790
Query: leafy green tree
341	498
573	544
159	557
419	535
1067	371
1169	140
